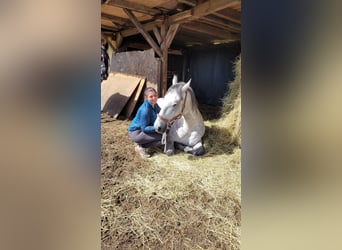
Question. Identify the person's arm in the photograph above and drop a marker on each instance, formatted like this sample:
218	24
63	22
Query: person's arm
145	120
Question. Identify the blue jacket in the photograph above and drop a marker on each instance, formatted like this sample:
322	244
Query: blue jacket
145	117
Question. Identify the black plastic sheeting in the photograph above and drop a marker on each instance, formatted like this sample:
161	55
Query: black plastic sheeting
211	69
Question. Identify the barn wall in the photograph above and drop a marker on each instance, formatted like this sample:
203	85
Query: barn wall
210	70
141	63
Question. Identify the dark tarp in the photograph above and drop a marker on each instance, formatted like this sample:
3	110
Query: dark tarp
211	69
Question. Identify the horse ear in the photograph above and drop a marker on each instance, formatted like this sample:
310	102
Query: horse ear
174	80
186	86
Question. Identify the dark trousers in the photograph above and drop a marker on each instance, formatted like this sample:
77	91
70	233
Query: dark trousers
145	140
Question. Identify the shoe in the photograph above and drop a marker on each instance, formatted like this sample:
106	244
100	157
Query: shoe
142	152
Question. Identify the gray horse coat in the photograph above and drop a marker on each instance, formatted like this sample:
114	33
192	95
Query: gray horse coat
179	120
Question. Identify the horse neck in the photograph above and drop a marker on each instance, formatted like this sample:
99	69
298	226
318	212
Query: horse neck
189	113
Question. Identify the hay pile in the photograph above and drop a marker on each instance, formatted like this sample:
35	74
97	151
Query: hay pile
177	202
231	110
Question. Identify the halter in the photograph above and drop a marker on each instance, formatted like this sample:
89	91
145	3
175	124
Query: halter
170	122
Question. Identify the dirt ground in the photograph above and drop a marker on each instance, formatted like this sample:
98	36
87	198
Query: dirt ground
145	216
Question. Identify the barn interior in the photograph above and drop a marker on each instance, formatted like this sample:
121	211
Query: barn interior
197	39
180	201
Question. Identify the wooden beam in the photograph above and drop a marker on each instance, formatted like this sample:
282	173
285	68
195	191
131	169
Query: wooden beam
188	2
157	34
110	42
135	31
118	39
144	33
136	45
105	22
201	9
176	52
163	29
208	29
115	19
220	23
171	34
229	14
163	72
135	7
108	28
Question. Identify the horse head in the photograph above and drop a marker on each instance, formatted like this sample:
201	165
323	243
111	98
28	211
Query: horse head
172	105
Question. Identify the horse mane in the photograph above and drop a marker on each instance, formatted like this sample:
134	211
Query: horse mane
178	89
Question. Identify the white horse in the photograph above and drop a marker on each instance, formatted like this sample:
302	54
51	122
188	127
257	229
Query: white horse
179	120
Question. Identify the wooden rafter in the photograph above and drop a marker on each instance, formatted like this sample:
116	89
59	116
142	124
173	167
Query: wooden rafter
115	19
197	12
208	29
143	32
157	34
188	2
135	31
108	28
219	23
135	7
229	14
200	10
118	39
171	34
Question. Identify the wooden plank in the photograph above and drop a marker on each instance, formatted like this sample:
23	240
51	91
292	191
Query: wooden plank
118	20
145	34
201	9
105	27
115	92
221	23
135	7
229	14
132	102
207	29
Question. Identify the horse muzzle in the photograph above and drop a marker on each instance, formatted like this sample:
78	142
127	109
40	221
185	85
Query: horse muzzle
160	126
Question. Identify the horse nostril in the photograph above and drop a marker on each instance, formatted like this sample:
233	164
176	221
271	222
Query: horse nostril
159	128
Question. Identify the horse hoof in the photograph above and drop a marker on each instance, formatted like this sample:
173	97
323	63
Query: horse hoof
169	152
199	151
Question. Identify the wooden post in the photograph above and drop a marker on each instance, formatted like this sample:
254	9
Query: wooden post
164	49
164	71
167	35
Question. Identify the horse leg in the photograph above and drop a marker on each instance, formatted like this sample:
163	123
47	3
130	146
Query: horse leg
195	150
198	149
169	148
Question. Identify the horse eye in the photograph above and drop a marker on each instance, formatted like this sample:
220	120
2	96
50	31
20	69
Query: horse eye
174	105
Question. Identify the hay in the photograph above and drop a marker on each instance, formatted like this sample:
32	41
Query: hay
231	110
177	202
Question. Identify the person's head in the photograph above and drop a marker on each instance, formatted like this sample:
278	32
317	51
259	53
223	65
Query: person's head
151	95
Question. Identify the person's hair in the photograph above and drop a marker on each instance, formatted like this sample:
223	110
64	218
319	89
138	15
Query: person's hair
148	90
